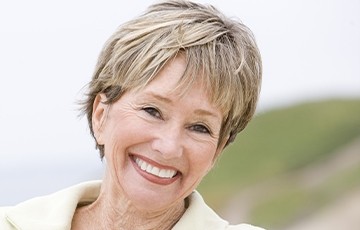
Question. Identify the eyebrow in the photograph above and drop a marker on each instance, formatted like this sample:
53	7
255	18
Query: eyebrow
160	98
203	112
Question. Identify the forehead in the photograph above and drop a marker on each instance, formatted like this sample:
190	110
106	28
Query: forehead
171	80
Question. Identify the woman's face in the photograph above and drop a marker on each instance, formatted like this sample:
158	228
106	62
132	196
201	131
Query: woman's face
158	144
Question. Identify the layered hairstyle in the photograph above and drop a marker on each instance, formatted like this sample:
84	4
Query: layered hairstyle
221	51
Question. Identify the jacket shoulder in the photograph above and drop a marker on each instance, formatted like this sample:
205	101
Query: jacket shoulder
199	215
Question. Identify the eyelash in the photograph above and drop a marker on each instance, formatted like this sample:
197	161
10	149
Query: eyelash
200	129
155	112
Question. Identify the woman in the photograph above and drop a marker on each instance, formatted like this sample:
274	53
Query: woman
171	90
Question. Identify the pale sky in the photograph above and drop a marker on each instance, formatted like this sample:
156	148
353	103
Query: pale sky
48	49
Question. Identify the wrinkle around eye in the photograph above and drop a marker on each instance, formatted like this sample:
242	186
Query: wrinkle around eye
206	139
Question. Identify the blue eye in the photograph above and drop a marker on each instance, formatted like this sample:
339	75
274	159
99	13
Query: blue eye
153	112
200	129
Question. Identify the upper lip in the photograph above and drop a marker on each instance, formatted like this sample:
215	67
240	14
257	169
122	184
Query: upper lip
154	163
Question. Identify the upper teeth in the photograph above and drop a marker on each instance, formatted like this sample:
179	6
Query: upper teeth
163	173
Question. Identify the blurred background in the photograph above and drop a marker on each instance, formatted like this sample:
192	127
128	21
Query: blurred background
296	166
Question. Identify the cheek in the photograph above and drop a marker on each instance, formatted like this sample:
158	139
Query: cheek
202	159
124	132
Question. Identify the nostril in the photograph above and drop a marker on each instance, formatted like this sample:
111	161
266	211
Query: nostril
168	147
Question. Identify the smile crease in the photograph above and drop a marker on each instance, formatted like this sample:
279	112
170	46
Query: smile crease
151	169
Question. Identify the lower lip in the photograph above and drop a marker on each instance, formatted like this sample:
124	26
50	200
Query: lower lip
152	178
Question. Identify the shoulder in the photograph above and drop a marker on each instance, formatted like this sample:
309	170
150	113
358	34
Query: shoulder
53	211
199	215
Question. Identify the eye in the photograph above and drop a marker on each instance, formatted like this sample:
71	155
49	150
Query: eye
152	111
200	129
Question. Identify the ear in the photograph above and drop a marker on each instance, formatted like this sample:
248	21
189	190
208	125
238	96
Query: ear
99	116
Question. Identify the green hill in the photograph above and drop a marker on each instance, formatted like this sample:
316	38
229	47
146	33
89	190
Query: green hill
280	143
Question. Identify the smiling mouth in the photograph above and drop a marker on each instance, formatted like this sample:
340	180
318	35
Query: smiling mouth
153	170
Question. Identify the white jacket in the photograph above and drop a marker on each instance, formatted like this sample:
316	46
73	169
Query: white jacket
55	212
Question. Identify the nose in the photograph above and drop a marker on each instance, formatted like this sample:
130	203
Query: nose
169	142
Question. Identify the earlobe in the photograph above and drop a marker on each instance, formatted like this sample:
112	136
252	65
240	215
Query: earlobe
99	116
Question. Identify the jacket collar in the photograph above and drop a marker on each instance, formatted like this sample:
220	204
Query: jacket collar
56	211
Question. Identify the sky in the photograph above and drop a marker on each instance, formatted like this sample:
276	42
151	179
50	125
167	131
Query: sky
48	50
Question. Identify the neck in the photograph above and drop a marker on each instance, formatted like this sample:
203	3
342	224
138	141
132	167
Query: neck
113	211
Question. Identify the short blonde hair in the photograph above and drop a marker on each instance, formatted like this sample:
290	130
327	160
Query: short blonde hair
220	50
